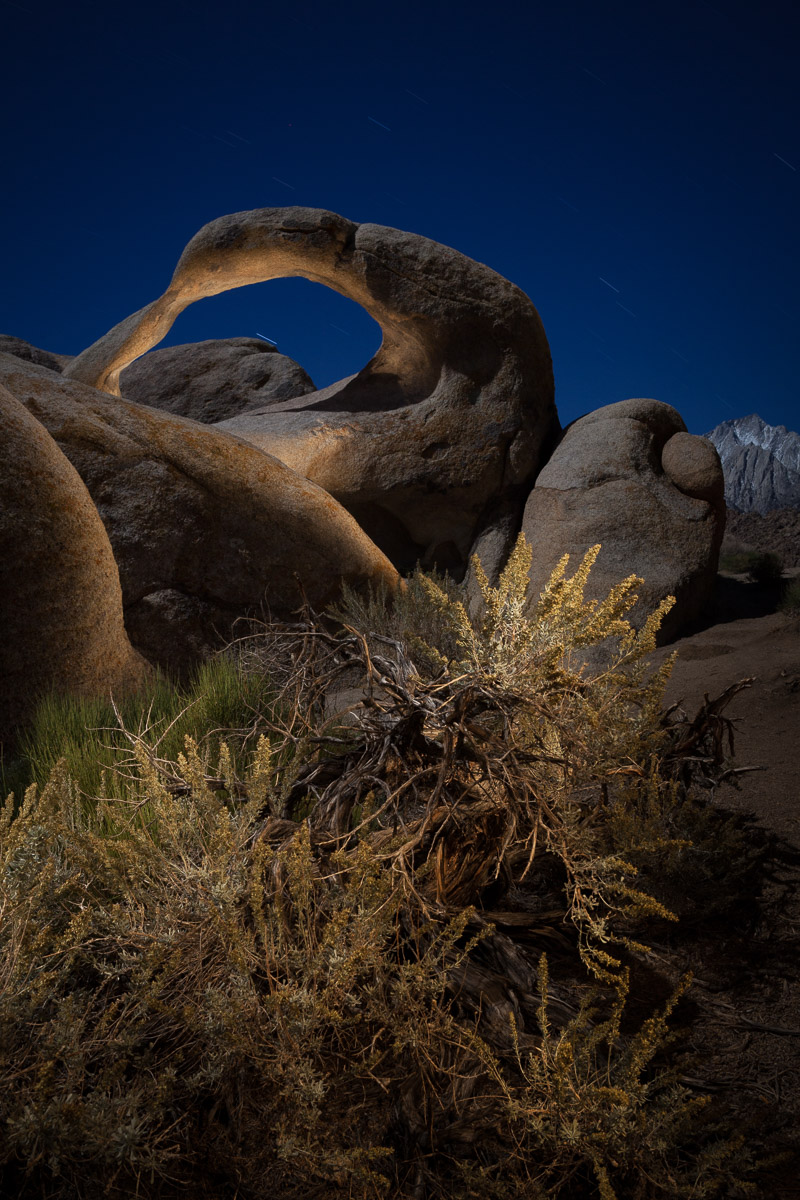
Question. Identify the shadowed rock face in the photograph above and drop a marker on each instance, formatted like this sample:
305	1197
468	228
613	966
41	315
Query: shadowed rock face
630	477
204	527
212	381
29	353
60	603
440	435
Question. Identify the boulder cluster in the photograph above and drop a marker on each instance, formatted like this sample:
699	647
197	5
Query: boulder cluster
149	500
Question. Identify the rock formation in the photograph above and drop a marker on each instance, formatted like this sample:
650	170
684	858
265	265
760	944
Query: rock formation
60	599
204	527
761	464
215	380
29	353
438	438
431	450
630	477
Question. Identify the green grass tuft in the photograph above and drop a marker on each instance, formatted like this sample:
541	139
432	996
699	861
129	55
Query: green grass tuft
93	740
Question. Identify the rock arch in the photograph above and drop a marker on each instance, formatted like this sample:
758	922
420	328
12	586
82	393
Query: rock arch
446	423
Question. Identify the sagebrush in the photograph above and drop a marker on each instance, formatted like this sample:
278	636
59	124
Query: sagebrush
379	943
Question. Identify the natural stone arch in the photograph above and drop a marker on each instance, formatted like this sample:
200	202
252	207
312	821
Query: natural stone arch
365	263
246	248
440	435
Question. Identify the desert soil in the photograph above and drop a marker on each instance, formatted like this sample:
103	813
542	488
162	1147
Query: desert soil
748	980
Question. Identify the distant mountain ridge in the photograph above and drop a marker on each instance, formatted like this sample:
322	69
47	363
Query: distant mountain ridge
761	464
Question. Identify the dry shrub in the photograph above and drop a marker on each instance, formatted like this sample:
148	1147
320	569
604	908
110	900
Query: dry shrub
766	568
322	973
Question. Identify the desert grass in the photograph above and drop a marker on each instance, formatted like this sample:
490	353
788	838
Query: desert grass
93	736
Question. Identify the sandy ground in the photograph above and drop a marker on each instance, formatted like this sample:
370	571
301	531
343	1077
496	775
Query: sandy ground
766	649
750	982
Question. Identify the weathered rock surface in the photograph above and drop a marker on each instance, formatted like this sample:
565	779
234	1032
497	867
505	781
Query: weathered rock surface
630	477
439	432
214	380
204	527
761	464
61	623
29	353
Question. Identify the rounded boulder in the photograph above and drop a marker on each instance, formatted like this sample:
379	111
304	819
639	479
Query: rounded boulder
214	380
61	617
630	477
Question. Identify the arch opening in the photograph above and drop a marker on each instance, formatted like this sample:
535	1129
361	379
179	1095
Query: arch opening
329	335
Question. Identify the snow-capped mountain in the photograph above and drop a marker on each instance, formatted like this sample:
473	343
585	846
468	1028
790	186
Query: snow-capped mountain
761	464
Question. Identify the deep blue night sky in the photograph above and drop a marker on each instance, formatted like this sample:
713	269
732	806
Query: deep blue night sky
633	167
